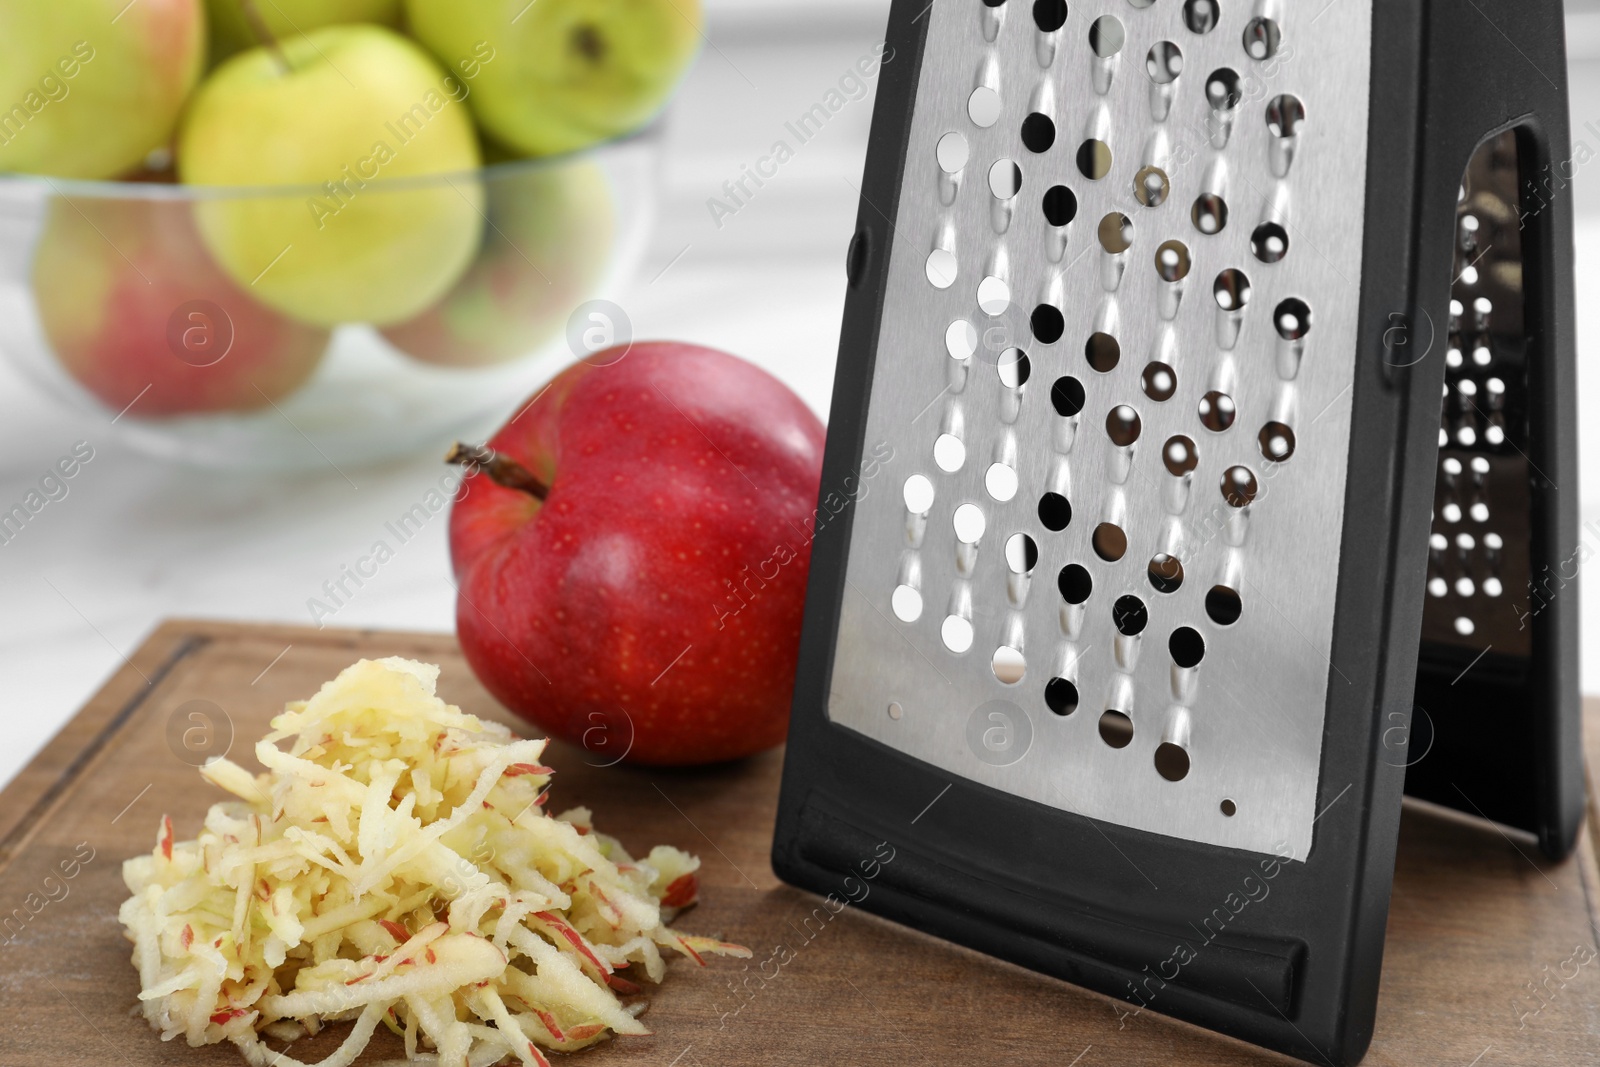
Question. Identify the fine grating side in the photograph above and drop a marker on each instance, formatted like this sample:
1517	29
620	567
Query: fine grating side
1232	137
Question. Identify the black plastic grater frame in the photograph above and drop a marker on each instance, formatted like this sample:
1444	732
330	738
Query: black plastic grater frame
1106	905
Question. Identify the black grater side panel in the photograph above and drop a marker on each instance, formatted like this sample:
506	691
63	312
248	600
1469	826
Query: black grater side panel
1498	736
1087	900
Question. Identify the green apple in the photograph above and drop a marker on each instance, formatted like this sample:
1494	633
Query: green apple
88	88
231	32
358	111
136	310
561	74
549	238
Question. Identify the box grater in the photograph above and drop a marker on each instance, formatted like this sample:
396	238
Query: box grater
1150	566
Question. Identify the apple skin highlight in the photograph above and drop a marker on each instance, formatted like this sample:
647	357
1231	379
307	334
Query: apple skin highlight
656	594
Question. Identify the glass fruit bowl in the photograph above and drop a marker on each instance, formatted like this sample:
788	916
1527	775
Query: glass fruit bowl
165	308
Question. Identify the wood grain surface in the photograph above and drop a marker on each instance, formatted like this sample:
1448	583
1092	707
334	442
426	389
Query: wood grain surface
1479	921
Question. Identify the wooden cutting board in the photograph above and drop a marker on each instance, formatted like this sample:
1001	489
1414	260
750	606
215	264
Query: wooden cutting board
1478	920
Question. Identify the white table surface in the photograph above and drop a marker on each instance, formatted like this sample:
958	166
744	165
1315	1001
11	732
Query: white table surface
138	540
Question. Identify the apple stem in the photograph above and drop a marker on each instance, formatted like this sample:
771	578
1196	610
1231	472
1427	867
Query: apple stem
501	469
263	33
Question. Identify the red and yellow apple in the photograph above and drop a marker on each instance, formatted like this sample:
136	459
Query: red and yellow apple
136	310
88	88
548	239
631	553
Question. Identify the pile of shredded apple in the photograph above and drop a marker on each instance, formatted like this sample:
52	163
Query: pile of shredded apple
395	866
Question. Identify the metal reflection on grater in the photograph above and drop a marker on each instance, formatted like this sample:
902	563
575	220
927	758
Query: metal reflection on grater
1161	211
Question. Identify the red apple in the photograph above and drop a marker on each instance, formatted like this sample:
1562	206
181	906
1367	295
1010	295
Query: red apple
136	310
631	553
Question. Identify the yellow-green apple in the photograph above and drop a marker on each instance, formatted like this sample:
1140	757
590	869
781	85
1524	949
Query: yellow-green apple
566	73
631	554
136	310
88	88
548	239
357	110
231	31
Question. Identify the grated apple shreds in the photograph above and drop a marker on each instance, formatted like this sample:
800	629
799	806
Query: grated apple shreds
395	866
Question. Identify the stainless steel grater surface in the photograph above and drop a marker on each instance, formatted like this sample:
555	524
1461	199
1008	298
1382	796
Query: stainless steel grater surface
1115	357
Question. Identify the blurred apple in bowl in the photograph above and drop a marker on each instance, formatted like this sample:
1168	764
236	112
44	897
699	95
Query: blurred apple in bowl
137	312
357	109
89	88
547	241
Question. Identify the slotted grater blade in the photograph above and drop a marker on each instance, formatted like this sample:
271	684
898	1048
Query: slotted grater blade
1124	549
1119	441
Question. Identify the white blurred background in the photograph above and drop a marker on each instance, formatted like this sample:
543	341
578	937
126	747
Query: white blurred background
138	541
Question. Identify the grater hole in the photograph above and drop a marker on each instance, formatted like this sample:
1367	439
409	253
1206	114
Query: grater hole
1292	319
1022	553
1068	396
1277	441
1047	323
1055	512
1116	233
969	524
1116	729
1038	132
1180	456
953	153
1014	368
907	604
1465	626
1061	696
1005	179
1165	572
1172	261
1285	114
1008	665
1130	616
1106	36
1217	411
1223	91
956	633
1269	242
1103	352
1060	205
941	268
1223	605
918	493
1209	214
993	3
949	453
1239	486
1123	425
1110	542
1160	381
1094	159
1201	16
994	296
1261	38
1001	482
1231	289
1151	186
983	107
1228	808
895	710
1172	762
961	339
1074	583
1187	647
1049	15
1164	62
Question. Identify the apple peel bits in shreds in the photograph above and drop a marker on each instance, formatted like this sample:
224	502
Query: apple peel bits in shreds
395	866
